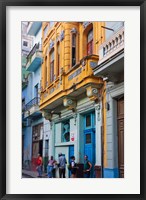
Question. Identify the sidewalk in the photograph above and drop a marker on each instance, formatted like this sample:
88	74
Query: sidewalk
32	174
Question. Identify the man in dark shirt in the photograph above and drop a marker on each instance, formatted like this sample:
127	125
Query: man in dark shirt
87	167
62	165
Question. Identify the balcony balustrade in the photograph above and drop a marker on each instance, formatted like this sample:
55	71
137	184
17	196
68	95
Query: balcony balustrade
34	58
111	58
24	82
111	46
72	83
32	108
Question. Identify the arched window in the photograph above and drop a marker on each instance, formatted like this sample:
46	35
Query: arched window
90	42
58	59
73	49
46	31
45	72
52	65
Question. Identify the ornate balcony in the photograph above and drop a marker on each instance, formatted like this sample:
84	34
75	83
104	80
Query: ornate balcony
31	109
111	58
71	84
34	58
112	46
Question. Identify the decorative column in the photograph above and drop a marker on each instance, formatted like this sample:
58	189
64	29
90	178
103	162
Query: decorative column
98	138
94	95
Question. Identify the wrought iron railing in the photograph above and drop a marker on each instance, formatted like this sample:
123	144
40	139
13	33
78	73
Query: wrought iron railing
37	47
34	102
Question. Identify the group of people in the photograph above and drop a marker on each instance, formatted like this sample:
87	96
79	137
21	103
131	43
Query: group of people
61	164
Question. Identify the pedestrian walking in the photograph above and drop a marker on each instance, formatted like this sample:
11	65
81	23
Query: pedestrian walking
51	167
87	167
62	165
39	165
73	167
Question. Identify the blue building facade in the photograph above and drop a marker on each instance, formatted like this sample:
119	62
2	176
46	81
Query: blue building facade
35	129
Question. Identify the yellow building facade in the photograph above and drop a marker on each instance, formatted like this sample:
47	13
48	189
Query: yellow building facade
70	94
68	58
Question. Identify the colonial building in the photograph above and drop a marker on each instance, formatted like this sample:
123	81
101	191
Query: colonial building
26	47
110	67
34	127
71	93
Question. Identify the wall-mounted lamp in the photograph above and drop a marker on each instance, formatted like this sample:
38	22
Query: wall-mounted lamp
107	106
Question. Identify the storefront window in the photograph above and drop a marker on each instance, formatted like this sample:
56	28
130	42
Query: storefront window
66	132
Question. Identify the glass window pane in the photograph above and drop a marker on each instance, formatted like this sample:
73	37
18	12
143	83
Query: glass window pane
88	138
52	55
73	40
90	35
88	120
66	132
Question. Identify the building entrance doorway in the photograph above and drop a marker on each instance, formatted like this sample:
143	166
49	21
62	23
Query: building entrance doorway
120	123
37	144
89	139
71	153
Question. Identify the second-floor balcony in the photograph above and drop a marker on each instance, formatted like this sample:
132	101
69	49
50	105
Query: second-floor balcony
31	109
24	82
111	46
34	58
71	84
111	58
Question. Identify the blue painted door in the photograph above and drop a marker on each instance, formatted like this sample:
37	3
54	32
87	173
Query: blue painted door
71	153
89	139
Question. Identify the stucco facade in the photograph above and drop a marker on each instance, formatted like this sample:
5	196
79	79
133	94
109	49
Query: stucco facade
70	92
35	128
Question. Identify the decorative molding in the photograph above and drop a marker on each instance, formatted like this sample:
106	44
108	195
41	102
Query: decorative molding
83	63
85	24
62	33
69	103
116	90
73	31
47	115
57	39
92	93
51	45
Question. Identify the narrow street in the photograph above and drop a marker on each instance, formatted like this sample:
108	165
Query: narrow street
26	176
